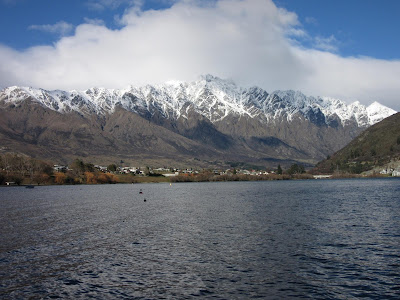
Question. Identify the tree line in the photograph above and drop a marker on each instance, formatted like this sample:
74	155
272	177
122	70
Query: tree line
20	169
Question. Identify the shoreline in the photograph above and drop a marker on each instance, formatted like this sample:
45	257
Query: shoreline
217	178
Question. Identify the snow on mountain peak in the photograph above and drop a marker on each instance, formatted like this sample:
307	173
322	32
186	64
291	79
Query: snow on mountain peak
377	112
210	96
174	83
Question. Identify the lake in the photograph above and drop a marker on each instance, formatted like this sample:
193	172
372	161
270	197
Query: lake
320	239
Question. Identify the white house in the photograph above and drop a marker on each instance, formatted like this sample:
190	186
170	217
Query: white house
171	174
386	171
59	168
396	173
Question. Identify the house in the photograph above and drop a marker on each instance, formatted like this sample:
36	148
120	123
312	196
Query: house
103	169
171	174
322	176
396	173
386	171
59	168
127	170
161	170
245	172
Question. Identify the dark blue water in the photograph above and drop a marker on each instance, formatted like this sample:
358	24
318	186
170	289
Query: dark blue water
320	239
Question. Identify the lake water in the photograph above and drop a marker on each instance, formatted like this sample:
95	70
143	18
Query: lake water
320	239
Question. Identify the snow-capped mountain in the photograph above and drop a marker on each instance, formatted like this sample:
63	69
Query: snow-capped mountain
210	119
212	97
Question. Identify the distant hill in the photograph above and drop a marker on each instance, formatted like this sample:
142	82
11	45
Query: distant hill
376	146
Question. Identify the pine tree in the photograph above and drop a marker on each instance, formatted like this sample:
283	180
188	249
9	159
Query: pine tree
279	170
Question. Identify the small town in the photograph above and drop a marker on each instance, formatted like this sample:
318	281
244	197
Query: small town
20	170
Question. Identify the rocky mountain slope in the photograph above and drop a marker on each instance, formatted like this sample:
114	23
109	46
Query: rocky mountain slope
202	122
378	145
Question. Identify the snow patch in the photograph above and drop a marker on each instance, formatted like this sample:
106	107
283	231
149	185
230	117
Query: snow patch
210	96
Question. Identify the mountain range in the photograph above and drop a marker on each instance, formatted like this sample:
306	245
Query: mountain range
210	121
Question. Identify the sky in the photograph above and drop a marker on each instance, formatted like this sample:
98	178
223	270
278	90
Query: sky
343	49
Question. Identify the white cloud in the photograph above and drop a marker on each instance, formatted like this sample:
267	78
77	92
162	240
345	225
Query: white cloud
326	43
62	28
246	40
94	21
351	78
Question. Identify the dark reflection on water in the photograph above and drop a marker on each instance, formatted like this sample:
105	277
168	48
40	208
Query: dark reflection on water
336	239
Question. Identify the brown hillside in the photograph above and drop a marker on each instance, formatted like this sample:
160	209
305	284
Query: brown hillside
374	147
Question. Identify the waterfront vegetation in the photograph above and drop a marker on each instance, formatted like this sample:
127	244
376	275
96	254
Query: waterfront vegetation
18	169
209	176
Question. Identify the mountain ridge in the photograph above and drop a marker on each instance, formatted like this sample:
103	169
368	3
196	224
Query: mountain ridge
211	96
202	122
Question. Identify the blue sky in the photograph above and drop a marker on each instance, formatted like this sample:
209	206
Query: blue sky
360	27
346	49
18	16
352	27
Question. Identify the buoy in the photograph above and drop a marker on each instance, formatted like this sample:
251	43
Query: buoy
144	200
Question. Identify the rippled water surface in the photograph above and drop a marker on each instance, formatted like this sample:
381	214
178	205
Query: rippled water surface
321	239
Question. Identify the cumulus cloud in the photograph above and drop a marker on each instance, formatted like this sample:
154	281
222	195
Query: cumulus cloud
61	28
249	41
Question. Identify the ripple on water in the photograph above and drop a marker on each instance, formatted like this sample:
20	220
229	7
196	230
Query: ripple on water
334	239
